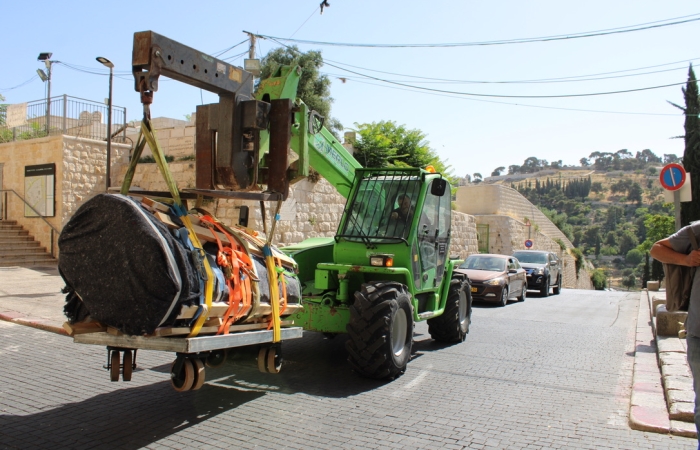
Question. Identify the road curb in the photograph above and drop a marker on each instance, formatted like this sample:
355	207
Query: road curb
40	324
648	406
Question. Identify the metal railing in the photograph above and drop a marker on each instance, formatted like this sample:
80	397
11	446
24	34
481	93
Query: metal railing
68	115
4	214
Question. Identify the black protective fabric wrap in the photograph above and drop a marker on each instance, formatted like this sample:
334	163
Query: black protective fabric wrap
112	258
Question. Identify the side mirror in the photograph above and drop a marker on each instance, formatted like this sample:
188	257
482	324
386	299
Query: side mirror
512	270
438	187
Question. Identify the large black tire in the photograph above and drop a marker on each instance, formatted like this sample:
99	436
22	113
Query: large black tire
557	289
380	330
453	324
544	292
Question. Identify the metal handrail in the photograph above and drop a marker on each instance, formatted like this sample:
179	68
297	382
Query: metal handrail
53	229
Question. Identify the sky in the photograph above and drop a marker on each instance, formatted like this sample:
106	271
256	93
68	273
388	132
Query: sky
422	86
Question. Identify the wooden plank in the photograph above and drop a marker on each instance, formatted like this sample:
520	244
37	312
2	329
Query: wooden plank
83	327
218	309
178	331
114	332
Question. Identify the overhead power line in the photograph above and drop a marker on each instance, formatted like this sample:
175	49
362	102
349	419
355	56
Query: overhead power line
541	80
21	84
474	94
560	37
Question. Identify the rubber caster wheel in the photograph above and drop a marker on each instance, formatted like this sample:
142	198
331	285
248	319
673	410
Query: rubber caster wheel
128	365
269	360
216	358
114	366
184	380
199	372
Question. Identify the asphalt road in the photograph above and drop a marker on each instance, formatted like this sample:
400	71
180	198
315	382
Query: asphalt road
549	373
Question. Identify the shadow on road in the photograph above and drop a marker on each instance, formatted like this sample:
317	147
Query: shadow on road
125	418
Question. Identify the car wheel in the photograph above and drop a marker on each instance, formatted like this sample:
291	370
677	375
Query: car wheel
544	292
557	289
523	295
504	296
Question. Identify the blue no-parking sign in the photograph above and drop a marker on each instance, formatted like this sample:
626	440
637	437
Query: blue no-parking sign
528	243
672	177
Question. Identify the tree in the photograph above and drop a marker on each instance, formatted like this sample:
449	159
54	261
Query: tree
584	162
513	169
3	111
477	178
313	89
690	211
497	171
634	257
384	144
599	279
629	281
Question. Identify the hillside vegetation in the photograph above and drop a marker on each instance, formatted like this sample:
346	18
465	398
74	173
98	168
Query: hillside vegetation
611	208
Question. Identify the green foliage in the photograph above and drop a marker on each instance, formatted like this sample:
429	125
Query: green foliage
578	256
314	88
658	226
599	279
629	281
561	243
385	144
150	159
634	257
186	158
3	111
690	211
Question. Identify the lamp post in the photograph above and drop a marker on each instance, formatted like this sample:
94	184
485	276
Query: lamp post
109	64
46	57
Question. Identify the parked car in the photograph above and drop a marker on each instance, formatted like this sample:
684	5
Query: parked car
544	270
495	278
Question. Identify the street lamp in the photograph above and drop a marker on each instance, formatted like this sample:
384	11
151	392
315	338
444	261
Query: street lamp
46	57
108	63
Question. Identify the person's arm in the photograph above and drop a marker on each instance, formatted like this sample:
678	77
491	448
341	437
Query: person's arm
664	252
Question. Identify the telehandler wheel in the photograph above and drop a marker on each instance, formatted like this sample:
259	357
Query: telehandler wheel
380	330
453	324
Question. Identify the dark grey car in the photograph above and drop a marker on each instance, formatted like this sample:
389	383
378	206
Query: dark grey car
544	270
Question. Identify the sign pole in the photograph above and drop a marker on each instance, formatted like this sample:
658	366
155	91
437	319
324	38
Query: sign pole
677	206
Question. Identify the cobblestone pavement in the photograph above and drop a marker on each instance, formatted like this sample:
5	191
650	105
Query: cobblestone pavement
549	373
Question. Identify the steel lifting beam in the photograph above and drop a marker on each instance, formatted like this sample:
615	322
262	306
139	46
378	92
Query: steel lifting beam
228	131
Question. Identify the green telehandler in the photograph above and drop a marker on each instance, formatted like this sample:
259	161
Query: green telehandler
387	266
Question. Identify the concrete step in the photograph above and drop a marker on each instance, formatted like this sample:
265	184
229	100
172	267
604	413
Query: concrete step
7	223
8	246
33	251
45	259
7	232
16	239
5	226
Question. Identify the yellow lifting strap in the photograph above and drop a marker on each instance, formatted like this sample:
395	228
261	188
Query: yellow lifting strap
272	278
158	155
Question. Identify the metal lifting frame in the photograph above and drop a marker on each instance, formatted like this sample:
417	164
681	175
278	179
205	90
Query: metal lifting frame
227	133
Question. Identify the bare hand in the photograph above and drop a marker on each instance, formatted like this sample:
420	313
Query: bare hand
693	258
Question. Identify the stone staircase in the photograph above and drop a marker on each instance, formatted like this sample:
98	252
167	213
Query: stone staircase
18	248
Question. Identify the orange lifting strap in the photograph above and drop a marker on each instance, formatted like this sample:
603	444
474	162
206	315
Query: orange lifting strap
238	269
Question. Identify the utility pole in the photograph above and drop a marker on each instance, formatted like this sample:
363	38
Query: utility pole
251	64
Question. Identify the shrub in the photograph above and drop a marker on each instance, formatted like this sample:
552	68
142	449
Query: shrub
599	280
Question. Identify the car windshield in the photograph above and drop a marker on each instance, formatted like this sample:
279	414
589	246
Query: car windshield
484	263
533	258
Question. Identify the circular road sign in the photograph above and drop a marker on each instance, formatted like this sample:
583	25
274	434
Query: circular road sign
528	243
672	177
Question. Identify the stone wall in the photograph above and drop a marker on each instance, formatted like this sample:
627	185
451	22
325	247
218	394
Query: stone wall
507	235
80	174
501	200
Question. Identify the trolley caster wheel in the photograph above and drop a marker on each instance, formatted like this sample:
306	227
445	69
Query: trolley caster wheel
216	358
127	365
199	377
114	366
184	379
269	360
